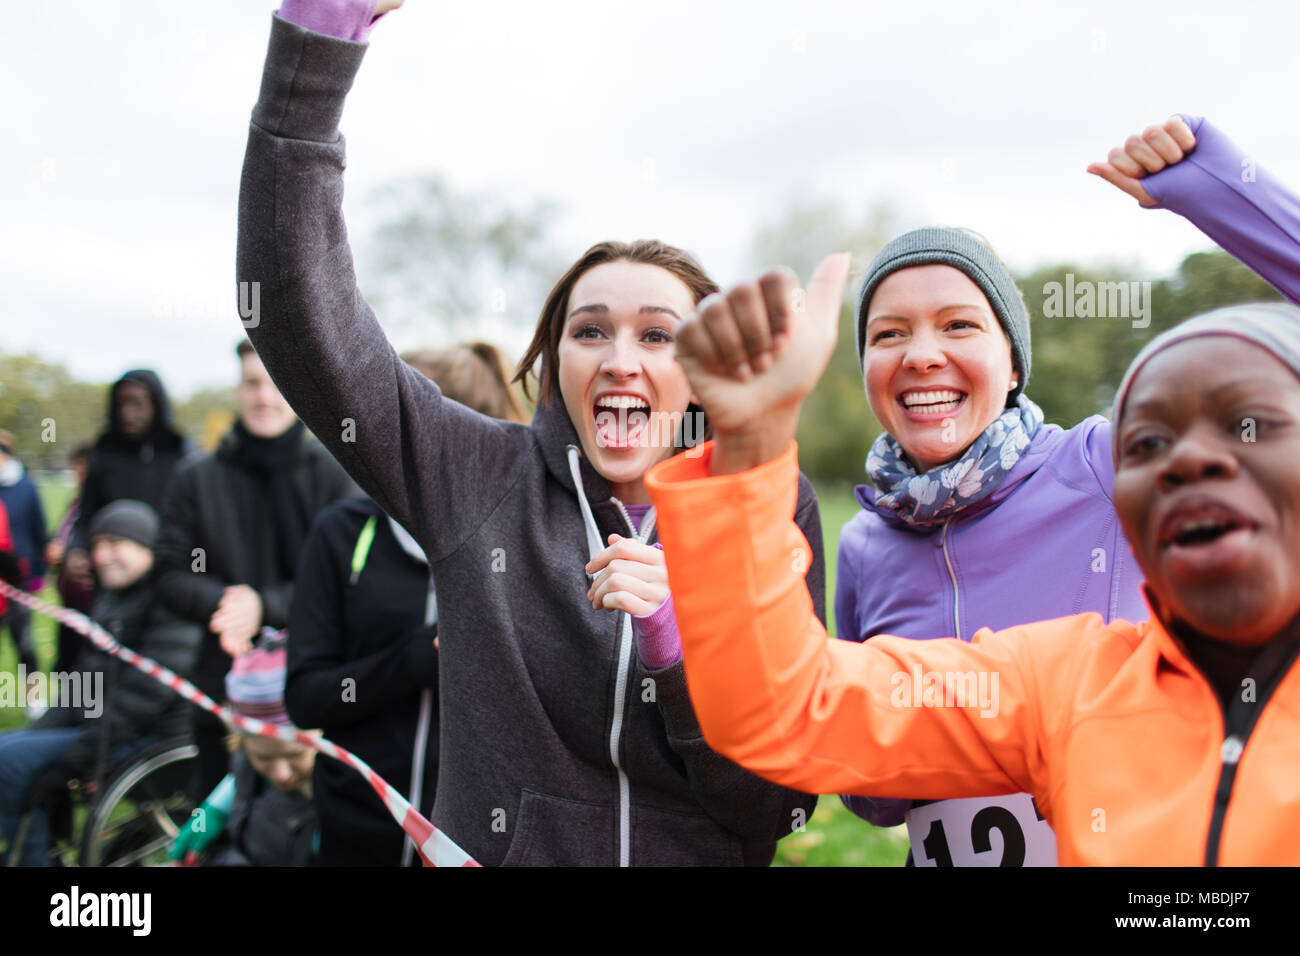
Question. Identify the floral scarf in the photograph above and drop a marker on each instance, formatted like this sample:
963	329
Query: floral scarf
929	498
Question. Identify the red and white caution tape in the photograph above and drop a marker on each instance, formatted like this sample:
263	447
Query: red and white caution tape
434	846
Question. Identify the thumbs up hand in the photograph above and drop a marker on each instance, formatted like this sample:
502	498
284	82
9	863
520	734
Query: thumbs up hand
754	354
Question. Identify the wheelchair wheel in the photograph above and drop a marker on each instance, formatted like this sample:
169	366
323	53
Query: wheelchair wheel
141	809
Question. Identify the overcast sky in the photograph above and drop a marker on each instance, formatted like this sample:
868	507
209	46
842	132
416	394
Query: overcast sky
694	122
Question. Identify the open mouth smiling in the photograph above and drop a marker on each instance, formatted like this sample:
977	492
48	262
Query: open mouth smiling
931	401
1198	523
621	419
1205	539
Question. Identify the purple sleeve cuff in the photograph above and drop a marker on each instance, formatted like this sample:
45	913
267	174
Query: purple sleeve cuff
658	642
878	811
345	19
1224	193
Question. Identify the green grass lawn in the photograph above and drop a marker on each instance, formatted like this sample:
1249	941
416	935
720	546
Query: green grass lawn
833	837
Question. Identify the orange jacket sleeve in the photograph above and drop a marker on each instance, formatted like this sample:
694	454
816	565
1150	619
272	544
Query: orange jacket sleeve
775	694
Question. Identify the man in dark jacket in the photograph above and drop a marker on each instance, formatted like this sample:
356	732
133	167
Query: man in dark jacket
233	526
106	709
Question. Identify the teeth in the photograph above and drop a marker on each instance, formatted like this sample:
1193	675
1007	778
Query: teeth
937	397
1201	524
621	401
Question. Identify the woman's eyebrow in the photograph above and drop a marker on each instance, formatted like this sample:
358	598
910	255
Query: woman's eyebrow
939	311
1238	386
1241	385
599	308
1155	403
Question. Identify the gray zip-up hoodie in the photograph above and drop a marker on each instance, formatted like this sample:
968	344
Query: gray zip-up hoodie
557	746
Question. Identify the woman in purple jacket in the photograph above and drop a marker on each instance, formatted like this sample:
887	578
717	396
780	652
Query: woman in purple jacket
985	515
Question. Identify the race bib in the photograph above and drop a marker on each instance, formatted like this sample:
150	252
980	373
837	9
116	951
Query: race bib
981	831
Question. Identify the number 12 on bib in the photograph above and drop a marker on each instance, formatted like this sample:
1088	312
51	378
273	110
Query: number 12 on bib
981	831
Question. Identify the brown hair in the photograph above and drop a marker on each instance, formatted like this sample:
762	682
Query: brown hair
550	324
244	347
473	374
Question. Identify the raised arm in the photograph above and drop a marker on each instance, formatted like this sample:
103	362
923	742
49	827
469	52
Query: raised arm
1188	166
436	466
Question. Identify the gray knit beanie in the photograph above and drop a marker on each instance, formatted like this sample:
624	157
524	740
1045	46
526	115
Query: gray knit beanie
939	245
127	518
1273	326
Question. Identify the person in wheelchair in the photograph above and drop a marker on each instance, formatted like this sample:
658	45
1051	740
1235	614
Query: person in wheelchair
261	814
110	717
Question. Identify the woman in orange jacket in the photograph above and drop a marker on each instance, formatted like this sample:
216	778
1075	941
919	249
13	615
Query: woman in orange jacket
1174	741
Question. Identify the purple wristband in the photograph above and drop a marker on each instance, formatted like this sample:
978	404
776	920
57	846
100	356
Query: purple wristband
658	642
345	19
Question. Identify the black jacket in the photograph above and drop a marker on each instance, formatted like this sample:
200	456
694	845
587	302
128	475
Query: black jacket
122	467
217	506
134	704
359	657
556	748
266	826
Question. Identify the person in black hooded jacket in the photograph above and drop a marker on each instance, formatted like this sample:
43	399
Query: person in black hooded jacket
135	456
233	526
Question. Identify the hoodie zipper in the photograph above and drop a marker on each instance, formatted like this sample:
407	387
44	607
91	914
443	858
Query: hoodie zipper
620	703
623	673
952	576
1239	721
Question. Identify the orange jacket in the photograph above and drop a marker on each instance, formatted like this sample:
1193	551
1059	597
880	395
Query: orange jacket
1112	729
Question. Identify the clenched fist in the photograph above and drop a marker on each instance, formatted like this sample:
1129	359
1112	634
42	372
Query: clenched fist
754	354
1140	156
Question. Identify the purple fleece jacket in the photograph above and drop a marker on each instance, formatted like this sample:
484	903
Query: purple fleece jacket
1047	543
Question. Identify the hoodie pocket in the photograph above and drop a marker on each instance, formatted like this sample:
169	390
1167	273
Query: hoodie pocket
555	831
680	838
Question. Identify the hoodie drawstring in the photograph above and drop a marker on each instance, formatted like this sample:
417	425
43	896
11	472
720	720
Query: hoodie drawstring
594	544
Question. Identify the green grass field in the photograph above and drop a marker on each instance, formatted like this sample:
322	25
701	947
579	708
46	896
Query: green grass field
833	837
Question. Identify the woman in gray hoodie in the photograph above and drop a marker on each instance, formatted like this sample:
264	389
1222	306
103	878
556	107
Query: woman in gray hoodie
567	735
